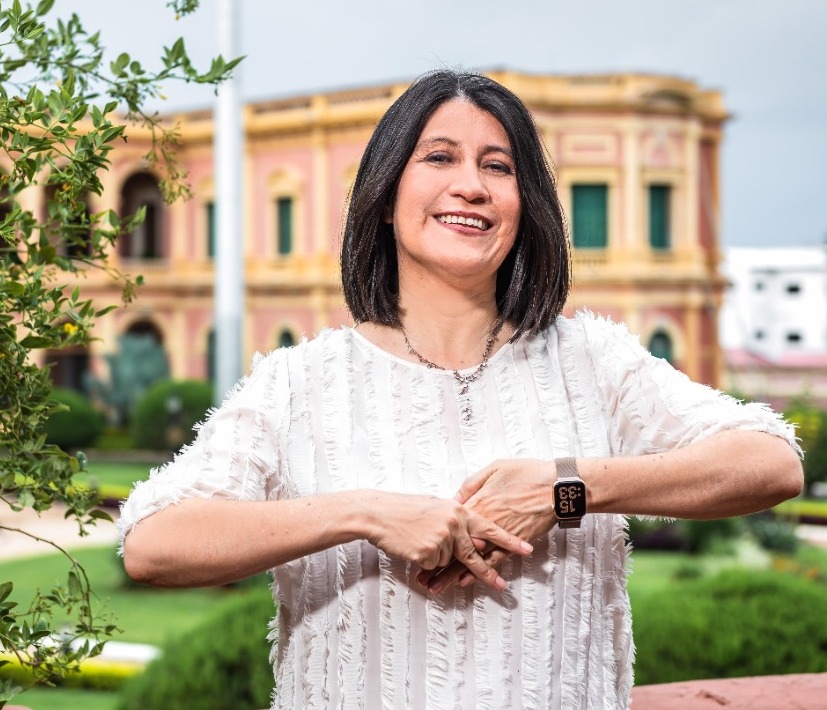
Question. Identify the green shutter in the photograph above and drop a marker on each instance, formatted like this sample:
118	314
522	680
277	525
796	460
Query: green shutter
589	216
211	230
659	237
284	209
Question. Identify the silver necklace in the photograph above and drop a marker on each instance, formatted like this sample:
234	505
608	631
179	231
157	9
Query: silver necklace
462	380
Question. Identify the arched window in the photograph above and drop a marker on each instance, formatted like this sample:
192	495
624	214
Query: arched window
286	339
146	327
146	241
660	345
69	367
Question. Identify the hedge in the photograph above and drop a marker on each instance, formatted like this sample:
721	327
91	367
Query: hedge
738	623
76	428
153	426
221	665
93	674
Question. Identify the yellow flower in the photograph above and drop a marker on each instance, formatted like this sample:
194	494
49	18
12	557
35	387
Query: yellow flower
70	328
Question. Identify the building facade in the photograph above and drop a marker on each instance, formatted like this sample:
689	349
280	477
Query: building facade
774	324
637	163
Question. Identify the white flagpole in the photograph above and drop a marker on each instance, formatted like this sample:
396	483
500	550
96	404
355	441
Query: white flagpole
229	253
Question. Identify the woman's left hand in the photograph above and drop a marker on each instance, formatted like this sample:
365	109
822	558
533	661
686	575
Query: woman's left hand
517	495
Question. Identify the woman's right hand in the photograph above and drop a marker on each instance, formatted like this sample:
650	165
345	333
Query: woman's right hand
431	532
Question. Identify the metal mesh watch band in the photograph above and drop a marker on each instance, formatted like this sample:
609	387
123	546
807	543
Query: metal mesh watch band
572	489
567	467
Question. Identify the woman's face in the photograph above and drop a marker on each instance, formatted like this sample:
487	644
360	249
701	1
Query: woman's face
457	207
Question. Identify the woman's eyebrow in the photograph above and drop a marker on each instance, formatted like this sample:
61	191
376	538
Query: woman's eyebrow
444	140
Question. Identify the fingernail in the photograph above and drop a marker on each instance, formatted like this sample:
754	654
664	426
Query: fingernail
466	580
458	498
526	547
500	583
436	587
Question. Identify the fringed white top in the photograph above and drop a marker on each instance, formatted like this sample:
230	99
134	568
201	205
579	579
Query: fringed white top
354	629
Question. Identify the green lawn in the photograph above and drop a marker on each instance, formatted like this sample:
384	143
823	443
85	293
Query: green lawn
114	480
61	699
146	615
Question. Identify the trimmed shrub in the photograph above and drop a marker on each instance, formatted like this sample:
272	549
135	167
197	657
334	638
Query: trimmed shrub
738	623
165	414
221	665
708	535
78	427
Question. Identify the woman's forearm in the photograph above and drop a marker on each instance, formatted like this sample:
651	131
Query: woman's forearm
202	542
731	473
205	542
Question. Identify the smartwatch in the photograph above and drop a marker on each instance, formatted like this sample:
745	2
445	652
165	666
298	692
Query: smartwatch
569	494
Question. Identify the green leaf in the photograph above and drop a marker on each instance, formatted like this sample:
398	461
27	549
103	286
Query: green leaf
44	6
75	588
5	590
33	342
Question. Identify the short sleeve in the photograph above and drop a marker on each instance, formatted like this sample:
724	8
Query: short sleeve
236	454
652	407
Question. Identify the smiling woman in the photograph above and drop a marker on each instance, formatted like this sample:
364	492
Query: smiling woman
440	490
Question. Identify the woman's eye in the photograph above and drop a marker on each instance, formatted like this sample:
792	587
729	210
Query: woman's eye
502	168
438	158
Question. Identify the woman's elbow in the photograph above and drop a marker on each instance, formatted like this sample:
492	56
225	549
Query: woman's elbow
789	473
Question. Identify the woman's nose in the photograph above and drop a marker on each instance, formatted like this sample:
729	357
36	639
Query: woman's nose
468	183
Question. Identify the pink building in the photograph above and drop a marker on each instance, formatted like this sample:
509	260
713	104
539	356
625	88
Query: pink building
637	168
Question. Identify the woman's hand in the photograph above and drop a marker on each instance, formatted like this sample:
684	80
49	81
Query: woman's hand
432	532
517	495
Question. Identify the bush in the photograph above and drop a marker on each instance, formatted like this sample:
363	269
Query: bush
708	535
165	414
76	428
773	534
735	624
221	665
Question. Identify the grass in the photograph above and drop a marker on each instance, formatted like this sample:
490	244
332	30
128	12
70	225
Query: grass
64	699
146	615
113	480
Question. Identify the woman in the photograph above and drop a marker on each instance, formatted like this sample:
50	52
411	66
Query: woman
360	464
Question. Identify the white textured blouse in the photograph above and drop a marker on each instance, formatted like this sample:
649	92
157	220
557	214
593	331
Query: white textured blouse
353	628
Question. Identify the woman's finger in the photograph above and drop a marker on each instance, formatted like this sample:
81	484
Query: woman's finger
494	534
473	483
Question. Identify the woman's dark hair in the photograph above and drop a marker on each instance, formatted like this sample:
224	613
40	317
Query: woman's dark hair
532	283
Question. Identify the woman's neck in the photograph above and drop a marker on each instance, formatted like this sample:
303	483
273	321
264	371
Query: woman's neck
448	326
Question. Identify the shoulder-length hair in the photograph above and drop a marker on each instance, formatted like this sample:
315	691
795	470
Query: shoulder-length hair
534	279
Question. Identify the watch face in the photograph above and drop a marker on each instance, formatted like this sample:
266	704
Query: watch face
570	499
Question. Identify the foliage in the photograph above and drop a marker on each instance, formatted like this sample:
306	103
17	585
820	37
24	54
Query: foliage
93	674
165	415
705	535
222	664
74	426
798	508
67	699
739	623
811	428
773	533
58	99
139	363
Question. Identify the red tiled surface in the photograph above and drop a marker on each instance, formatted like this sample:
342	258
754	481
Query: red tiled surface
807	691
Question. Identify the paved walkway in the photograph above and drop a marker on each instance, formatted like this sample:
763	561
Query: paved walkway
50	525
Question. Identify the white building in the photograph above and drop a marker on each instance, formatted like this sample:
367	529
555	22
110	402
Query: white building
773	325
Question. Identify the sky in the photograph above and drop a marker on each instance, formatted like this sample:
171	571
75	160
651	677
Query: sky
768	57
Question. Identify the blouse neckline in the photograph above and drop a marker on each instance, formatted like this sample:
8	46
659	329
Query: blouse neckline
373	347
